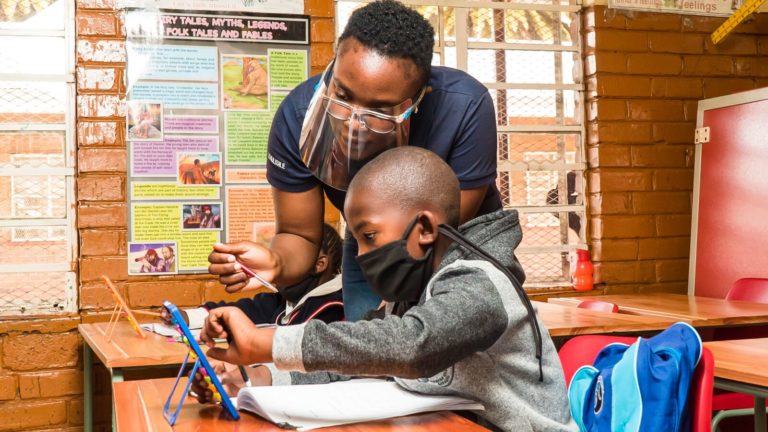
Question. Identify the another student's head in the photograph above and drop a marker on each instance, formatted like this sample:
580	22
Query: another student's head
205	208
327	266
328	263
402	186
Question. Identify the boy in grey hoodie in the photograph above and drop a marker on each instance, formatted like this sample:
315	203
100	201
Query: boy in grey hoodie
455	322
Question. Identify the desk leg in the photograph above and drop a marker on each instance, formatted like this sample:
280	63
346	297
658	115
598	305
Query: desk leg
87	388
117	376
759	414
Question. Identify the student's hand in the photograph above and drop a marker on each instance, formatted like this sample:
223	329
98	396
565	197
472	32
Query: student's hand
224	263
230	378
227	374
165	316
247	344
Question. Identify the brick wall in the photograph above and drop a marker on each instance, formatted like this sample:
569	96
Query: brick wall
40	361
645	73
41	383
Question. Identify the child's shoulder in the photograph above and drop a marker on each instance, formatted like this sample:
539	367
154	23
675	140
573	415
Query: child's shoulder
463	273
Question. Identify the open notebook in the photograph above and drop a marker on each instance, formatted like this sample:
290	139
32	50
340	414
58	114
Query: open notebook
307	407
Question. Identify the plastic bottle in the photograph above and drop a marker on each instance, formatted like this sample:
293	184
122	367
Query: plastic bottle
582	274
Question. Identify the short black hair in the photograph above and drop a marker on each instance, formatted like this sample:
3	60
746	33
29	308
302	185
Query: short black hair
332	247
393	30
412	178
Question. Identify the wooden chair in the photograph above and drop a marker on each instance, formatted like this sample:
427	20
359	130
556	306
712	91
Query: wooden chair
598	305
582	350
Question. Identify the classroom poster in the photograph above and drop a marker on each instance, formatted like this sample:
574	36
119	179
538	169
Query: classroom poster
152	258
170	191
691	7
159	159
287	68
156	222
245	83
247	176
202	90
248	205
192	124
171	62
247	134
253	6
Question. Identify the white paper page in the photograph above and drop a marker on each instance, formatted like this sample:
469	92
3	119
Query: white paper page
313	406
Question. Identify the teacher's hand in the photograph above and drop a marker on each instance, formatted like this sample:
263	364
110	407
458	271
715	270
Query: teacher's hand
228	259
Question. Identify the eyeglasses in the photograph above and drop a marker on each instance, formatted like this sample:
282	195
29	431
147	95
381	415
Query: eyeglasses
375	121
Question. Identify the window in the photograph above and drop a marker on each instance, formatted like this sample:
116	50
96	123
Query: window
527	52
37	236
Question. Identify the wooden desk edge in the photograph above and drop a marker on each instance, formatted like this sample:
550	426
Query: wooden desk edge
86	330
131	396
599	329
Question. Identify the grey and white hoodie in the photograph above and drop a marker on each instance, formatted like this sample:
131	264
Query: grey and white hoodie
467	336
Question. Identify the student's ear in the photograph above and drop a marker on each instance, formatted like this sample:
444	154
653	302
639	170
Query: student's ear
427	229
321	264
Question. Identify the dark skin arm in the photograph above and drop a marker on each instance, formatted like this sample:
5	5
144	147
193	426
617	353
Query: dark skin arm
297	240
294	249
470	202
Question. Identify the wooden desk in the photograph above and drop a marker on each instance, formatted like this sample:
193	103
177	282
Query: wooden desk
126	351
139	408
570	321
697	311
740	367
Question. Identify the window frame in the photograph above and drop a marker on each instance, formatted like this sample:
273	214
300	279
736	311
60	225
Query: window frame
568	160
67	171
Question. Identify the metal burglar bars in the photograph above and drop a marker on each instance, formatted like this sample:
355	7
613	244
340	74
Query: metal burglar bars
37	90
527	53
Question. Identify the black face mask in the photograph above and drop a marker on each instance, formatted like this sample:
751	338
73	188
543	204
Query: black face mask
393	273
294	293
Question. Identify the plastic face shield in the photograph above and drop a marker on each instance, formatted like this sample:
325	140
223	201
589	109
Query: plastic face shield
338	138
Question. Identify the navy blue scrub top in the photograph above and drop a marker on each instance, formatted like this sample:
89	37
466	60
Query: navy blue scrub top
456	120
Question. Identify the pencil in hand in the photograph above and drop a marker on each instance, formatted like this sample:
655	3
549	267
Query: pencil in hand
253	274
245	376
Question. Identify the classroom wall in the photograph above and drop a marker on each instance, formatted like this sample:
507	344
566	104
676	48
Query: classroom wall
645	73
40	359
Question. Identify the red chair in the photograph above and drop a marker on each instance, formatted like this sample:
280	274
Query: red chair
749	289
582	350
729	404
598	305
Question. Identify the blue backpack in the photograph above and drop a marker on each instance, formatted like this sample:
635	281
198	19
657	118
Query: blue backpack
638	387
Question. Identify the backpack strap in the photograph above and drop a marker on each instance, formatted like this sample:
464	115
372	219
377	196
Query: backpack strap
456	236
